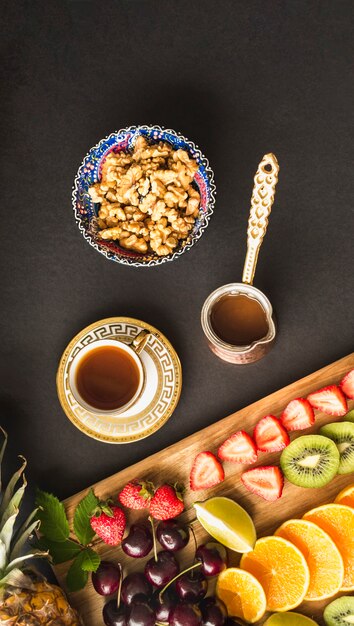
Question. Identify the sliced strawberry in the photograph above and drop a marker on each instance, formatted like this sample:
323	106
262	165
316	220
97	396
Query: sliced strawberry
329	400
267	482
270	435
206	471
298	415
239	448
347	385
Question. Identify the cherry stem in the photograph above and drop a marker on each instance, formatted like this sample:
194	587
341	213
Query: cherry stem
120	584
194	537
176	577
153	537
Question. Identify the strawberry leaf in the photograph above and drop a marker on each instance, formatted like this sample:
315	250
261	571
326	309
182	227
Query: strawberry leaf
76	577
83	512
51	513
90	560
60	551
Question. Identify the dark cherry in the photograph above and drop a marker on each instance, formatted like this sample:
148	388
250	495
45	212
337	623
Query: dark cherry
163	606
140	613
139	541
172	535
185	615
214	612
106	578
160	572
191	586
213	557
135	584
114	616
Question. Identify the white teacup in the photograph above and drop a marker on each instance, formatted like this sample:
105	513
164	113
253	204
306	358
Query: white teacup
132	350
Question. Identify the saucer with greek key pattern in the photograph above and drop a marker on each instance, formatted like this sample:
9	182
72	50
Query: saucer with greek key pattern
160	395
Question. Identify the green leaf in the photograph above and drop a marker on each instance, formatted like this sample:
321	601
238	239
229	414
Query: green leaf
54	524
9	492
82	515
76	577
60	551
90	560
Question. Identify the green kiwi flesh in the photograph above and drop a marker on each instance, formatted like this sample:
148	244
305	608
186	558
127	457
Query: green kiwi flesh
342	433
310	461
340	612
349	417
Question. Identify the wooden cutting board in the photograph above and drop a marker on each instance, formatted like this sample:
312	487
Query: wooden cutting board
173	464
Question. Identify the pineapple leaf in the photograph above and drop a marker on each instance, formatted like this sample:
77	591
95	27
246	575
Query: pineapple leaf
18	545
51	513
6	531
3	556
83	512
76	577
34	554
22	529
9	491
16	578
2	450
60	551
90	560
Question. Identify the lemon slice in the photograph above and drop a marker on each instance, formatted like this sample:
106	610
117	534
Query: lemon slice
228	523
289	619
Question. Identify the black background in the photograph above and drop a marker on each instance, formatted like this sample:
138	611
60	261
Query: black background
239	78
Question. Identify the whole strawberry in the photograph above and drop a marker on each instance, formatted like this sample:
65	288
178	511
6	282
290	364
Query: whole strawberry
108	522
167	502
136	494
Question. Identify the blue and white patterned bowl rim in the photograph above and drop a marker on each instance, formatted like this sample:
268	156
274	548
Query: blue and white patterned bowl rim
89	173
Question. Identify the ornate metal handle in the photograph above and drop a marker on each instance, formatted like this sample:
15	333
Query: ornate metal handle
262	199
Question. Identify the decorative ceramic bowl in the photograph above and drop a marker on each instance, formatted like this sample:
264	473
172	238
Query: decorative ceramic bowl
85	210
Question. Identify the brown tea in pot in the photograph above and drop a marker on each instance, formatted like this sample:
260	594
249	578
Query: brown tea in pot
238	320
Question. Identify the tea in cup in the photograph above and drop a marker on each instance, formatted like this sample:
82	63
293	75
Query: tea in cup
107	376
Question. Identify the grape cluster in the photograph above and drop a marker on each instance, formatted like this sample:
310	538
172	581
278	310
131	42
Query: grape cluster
163	594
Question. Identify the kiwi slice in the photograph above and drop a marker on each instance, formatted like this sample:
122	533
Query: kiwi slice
342	433
310	461
340	612
349	417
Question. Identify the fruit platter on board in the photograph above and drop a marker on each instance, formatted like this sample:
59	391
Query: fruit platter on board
250	520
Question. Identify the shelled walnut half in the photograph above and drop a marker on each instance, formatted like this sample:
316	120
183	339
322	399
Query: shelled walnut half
147	197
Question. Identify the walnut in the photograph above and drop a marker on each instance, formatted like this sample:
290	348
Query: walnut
192	206
157	187
147	203
110	233
134	243
147	197
165	176
140	143
158	211
181	226
144	187
174	196
96	193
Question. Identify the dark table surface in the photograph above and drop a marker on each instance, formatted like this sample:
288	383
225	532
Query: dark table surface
239	78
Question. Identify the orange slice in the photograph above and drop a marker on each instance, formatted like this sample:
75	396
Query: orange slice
346	496
322	556
282	571
242	594
338	521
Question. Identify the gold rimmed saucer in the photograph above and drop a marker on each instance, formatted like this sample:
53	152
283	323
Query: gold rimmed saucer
160	394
